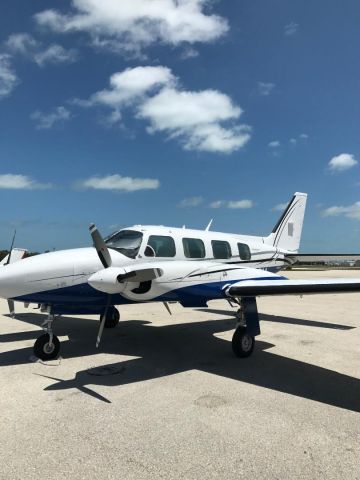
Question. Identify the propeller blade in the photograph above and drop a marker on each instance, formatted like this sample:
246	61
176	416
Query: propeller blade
11	305
102	322
100	246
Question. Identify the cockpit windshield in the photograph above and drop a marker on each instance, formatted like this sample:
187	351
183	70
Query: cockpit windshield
126	242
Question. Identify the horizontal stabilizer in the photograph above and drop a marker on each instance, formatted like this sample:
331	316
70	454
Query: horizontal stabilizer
254	288
323	257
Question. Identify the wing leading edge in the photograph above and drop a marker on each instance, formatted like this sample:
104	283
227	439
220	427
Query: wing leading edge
254	288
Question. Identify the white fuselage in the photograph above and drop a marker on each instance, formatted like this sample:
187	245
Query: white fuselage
197	265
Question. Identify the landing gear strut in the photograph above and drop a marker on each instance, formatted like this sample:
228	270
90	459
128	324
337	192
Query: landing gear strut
247	327
47	346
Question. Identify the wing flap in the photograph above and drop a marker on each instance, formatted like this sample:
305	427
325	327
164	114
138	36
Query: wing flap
254	288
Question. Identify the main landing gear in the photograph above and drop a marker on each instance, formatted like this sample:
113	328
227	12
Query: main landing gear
47	346
247	328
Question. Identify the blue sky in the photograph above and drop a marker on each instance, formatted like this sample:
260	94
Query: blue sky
163	112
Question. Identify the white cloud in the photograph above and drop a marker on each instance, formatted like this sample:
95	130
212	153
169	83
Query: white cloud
129	86
217	204
55	54
8	78
304	136
25	44
21	43
21	182
342	162
280	207
191	202
293	141
291	28
240	204
189	52
118	183
265	88
274	144
130	25
350	211
196	119
47	120
232	204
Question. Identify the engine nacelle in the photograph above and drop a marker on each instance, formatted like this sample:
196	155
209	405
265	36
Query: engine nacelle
106	280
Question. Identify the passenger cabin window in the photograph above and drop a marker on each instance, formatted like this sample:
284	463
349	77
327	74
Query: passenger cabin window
126	242
221	249
160	246
193	248
244	251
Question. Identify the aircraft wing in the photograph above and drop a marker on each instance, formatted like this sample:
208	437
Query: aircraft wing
254	288
323	257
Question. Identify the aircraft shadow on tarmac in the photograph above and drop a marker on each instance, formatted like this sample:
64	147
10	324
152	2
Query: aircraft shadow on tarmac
170	349
277	319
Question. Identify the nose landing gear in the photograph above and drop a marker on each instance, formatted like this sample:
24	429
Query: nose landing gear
47	346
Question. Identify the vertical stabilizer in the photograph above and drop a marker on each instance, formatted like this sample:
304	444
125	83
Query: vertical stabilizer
287	232
16	255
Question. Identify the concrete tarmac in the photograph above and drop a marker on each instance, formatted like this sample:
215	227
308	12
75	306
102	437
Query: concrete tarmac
164	397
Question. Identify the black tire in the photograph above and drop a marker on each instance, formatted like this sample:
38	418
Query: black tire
242	343
42	349
112	318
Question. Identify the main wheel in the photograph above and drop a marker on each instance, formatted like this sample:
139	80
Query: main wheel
112	318
242	343
43	349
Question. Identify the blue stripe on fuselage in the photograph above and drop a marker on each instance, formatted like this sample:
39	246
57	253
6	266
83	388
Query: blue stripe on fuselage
84	294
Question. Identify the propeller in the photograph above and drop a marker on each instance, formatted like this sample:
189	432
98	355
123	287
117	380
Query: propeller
100	246
105	259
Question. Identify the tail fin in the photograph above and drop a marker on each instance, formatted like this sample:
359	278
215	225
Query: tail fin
287	232
15	255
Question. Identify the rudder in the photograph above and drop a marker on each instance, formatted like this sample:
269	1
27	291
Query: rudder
287	232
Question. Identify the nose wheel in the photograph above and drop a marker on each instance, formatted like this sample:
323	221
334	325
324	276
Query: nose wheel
46	350
47	346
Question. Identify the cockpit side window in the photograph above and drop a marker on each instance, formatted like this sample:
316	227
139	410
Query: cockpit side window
126	242
160	246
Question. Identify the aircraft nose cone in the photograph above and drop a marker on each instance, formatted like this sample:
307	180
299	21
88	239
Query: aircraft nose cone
10	281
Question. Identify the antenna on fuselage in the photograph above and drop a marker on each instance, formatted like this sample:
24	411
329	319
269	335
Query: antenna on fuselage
11	248
209	225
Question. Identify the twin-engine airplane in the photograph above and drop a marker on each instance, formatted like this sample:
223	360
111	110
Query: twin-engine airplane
164	264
